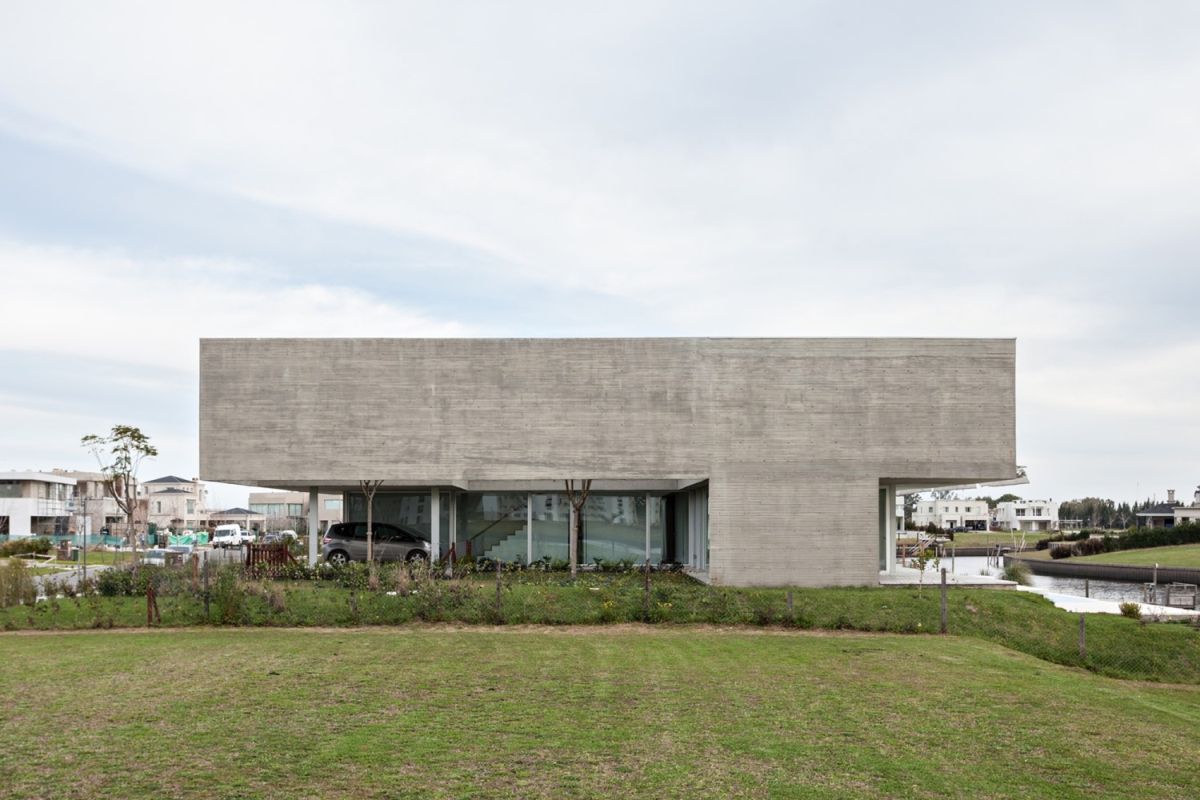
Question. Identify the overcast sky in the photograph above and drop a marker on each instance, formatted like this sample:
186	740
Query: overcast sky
606	169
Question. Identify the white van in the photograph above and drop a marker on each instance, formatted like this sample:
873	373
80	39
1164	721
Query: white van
231	536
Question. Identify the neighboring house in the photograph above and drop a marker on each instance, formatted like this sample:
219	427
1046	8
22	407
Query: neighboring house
95	509
764	462
973	515
238	516
175	503
289	510
1026	515
35	503
1189	514
1159	515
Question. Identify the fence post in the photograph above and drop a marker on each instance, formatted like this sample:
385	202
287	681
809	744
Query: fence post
1082	637
646	591
944	616
1087	589
207	618
499	616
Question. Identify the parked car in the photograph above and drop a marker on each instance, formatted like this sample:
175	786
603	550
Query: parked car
275	537
347	541
231	536
156	557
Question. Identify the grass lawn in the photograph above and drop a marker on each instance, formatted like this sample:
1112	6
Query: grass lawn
569	712
1117	647
1180	555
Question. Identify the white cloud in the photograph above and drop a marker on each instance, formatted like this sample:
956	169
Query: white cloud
152	311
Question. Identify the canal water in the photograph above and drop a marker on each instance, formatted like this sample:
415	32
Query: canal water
1101	590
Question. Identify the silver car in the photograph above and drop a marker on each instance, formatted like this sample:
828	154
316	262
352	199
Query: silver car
347	541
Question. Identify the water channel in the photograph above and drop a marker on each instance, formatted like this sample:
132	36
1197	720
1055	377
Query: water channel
1101	590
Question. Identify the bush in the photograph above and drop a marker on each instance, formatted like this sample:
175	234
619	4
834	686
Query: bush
1060	550
1131	610
1018	572
25	546
1089	547
16	584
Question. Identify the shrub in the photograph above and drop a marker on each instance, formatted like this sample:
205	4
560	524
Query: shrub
1131	609
1060	550
16	584
1018	572
25	546
1089	547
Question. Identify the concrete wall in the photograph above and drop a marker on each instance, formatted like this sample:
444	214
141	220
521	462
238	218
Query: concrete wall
784	429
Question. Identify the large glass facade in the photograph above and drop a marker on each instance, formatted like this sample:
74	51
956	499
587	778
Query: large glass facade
614	528
412	512
492	526
551	520
520	527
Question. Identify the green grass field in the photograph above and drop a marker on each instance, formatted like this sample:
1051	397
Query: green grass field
575	712
1117	647
1182	555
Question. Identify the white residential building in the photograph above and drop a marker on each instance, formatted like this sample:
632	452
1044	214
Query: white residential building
1189	514
35	503
174	502
1026	515
952	513
282	510
95	508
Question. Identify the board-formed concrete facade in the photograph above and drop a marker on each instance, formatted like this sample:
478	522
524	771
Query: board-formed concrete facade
782	431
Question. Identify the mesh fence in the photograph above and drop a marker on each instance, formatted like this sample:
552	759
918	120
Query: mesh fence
219	590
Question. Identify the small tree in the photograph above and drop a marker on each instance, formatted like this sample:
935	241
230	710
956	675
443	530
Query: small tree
119	455
577	499
368	489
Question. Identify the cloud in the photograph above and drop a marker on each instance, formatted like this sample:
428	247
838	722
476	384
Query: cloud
151	311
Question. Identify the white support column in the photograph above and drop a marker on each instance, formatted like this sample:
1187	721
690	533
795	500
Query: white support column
647	526
314	522
890	501
435	524
529	529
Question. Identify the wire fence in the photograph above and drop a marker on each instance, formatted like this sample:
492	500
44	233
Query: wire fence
217	589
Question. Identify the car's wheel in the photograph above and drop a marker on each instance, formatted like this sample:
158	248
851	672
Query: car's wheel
416	555
339	558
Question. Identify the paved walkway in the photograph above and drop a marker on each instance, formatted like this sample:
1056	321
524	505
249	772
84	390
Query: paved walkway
907	576
1091	605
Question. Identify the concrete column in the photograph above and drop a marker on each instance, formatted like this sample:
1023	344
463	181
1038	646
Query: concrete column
314	522
890	501
529	529
435	524
647	526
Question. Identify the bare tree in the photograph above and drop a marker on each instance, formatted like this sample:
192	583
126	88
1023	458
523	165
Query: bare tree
577	499
119	455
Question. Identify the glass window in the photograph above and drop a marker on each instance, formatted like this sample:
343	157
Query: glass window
614	528
551	518
409	512
10	488
295	509
491	526
333	505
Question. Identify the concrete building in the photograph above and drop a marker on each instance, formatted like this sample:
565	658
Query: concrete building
35	504
1026	515
953	513
175	503
289	510
724	455
95	509
244	517
1189	514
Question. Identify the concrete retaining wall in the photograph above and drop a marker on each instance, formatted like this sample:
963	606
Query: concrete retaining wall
1106	572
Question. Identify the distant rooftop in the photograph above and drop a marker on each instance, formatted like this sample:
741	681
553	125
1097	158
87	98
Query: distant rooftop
169	479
